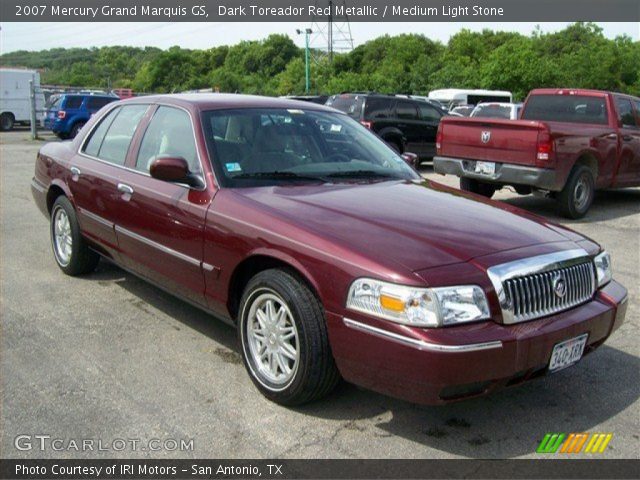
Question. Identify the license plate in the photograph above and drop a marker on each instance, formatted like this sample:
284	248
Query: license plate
567	353
485	168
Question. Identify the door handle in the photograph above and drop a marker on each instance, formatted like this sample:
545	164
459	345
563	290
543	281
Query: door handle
75	172
627	138
612	136
125	189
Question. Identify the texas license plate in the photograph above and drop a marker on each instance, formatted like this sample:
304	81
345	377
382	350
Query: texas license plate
485	168
567	353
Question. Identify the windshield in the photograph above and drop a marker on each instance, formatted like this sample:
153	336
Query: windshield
492	111
251	147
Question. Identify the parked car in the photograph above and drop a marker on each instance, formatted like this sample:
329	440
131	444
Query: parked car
453	97
15	98
404	123
463	110
319	99
567	144
68	112
292	224
509	111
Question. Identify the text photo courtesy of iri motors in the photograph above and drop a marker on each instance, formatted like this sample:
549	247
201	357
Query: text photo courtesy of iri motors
319	239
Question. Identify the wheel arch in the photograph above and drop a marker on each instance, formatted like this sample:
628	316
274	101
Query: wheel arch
260	261
56	189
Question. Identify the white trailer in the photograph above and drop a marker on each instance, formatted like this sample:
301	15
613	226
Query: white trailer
15	101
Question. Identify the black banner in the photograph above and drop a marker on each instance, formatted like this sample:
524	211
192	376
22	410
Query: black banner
318	469
307	10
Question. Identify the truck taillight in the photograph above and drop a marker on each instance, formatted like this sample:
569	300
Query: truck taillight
439	140
61	114
545	148
366	124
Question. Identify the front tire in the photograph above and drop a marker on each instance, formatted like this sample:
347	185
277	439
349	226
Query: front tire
475	186
283	336
577	195
70	250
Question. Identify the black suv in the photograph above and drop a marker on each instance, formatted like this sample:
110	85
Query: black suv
405	123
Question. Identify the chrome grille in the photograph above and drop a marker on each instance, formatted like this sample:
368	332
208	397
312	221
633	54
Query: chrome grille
533	296
535	287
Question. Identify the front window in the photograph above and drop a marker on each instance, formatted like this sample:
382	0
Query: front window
261	147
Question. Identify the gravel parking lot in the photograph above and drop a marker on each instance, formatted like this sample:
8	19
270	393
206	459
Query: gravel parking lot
110	357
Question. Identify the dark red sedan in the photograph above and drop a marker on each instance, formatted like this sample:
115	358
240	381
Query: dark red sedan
333	257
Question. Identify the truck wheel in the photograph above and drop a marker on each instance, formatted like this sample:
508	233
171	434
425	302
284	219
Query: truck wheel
577	195
6	121
76	128
396	145
71	252
283	336
475	186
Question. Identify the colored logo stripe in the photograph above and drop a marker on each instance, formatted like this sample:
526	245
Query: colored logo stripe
597	442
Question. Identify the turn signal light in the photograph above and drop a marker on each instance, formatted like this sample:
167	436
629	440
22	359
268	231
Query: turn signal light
61	114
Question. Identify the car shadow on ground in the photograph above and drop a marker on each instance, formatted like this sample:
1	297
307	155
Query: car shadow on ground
507	424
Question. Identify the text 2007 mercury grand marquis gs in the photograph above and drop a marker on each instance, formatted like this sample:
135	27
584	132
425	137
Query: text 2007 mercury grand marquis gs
332	257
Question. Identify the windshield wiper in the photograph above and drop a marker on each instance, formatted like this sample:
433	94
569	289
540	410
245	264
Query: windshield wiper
276	175
361	174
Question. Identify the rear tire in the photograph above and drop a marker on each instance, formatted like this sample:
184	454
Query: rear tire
283	336
70	250
396	145
7	120
577	195
475	186
76	128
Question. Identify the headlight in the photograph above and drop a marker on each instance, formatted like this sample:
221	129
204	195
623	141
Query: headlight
603	268
420	307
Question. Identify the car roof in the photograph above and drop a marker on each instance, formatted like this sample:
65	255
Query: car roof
220	101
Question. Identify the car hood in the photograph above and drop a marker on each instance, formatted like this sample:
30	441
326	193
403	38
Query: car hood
417	225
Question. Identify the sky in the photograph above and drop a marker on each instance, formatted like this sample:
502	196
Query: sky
41	36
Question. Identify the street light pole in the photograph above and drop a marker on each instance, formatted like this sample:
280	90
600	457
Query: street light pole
307	73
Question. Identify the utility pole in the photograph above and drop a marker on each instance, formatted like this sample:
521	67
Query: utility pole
307	72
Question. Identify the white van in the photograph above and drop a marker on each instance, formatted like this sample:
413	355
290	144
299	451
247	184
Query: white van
15	104
452	97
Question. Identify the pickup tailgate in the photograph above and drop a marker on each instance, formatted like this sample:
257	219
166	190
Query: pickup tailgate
505	141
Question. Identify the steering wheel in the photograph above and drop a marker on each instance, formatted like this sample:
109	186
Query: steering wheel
337	157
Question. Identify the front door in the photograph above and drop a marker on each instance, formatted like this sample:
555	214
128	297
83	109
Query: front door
409	122
161	235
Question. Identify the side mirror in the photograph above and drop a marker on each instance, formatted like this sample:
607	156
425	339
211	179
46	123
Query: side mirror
175	170
411	159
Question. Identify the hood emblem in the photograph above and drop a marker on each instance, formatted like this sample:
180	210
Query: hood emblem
559	286
485	137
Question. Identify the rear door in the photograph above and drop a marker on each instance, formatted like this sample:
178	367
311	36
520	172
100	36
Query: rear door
430	118
408	121
629	142
95	172
161	230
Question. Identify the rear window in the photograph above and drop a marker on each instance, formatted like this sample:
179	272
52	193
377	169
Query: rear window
566	108
73	102
377	108
349	104
96	103
492	111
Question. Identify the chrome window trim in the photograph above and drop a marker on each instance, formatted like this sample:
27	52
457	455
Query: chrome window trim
532	265
419	344
158	246
133	170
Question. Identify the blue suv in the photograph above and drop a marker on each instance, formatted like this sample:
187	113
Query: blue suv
68	112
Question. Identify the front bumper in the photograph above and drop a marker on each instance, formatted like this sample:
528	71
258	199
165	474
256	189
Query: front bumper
435	366
506	173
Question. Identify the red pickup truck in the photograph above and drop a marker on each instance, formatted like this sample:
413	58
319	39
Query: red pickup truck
566	144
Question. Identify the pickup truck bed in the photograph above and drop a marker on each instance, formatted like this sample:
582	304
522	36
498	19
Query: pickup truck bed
567	144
